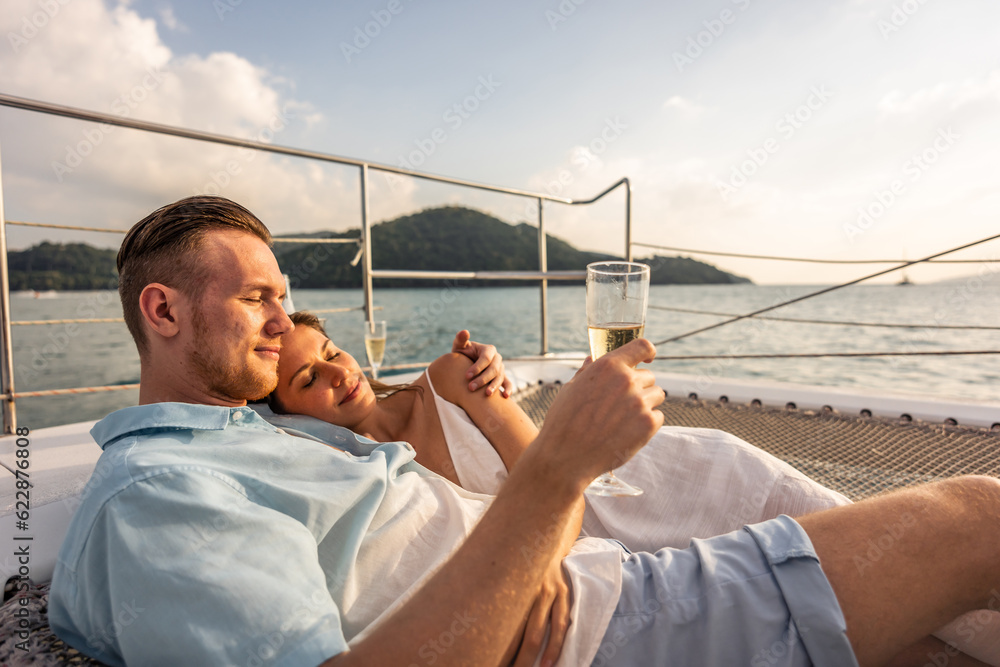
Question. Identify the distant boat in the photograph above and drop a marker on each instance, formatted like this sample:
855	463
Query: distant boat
903	278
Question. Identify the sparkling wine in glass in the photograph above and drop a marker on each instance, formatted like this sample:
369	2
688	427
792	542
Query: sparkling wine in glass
375	345
617	294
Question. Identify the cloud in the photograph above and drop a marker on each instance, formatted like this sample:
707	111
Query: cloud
683	105
951	96
112	60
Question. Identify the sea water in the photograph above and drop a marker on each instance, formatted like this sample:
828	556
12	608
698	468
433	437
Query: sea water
422	323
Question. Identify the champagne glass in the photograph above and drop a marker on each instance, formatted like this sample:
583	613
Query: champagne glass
617	294
375	345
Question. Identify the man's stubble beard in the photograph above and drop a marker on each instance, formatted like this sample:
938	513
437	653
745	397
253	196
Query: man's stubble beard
222	378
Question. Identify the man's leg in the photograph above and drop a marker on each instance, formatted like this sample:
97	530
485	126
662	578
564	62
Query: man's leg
756	596
904	564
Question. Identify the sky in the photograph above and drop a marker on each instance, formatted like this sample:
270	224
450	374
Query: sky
838	129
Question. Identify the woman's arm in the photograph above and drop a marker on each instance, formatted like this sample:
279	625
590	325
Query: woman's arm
503	422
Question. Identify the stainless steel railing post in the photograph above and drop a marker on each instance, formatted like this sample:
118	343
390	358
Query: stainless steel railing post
628	220
6	345
543	266
366	246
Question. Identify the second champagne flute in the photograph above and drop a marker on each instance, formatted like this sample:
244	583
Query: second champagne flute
375	345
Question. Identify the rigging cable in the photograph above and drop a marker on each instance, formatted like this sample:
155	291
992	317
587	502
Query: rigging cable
812	260
825	290
841	322
813	355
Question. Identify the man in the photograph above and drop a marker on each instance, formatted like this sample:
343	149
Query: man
213	538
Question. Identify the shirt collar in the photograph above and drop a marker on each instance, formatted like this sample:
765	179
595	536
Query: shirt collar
170	416
304	426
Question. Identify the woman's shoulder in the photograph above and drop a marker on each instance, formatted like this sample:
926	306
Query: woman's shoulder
447	373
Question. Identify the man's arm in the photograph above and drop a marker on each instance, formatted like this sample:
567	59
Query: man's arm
510	431
487	588
550	612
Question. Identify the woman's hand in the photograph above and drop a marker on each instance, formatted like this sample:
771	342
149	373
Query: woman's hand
487	369
549	612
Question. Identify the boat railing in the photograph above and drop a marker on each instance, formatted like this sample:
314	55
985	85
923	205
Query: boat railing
368	270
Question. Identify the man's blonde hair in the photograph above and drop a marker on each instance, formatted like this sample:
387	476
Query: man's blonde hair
164	248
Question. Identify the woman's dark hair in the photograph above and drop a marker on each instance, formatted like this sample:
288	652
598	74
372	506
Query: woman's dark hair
304	318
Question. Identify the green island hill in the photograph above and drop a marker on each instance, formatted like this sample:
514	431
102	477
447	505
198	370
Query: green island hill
437	239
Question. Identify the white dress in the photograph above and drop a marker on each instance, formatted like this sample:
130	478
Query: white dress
696	482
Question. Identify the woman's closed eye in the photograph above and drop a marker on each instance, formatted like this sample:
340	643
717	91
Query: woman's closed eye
312	374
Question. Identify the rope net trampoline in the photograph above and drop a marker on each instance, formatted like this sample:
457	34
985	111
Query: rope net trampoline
856	456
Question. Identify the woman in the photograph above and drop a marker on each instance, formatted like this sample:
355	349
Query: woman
318	379
707	481
697	482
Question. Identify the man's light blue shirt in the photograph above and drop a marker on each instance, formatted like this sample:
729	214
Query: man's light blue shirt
208	536
272	523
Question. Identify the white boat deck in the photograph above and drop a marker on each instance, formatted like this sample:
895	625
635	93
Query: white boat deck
61	461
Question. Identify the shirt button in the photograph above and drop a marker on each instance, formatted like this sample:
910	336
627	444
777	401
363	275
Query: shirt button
237	415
